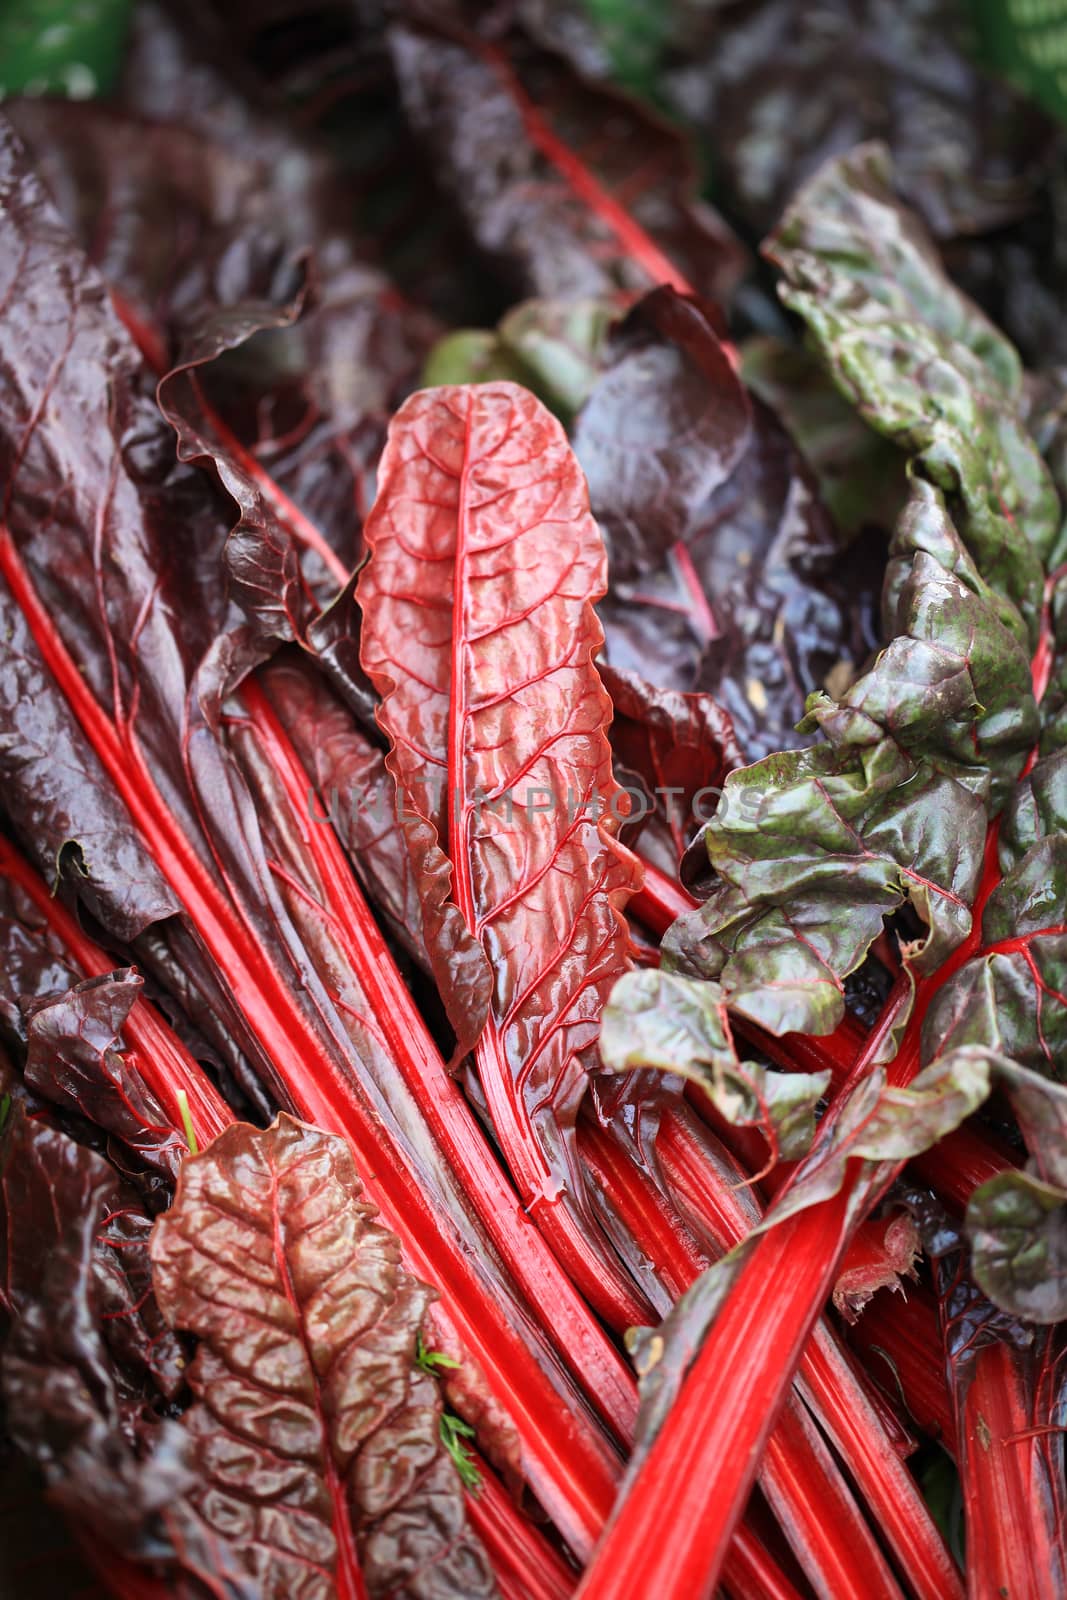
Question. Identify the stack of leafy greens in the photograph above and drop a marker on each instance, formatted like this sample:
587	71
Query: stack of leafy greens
533	810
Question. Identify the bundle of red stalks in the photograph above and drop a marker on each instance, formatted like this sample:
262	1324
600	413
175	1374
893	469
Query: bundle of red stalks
533	1012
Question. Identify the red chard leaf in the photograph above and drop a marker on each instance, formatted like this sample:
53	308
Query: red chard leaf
725	572
297	1294
73	1403
74	1058
560	209
662	429
479	634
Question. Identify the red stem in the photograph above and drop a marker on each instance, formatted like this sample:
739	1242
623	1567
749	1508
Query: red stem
1011	1550
895	1336
549	1292
750	1573
525	1564
852	1421
799	1478
573	1475
632	238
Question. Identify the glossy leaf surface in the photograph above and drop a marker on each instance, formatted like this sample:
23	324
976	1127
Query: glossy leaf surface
680	1025
315	1435
561	210
726	575
479	634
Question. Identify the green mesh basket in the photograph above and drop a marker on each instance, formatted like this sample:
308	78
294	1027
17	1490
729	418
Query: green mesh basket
1026	40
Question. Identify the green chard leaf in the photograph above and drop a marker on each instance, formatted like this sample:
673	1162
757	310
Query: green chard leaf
814	849
680	1025
1017	1221
1011	997
552	347
922	364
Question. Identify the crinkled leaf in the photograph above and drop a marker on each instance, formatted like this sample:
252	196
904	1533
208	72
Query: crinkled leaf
559	209
479	634
680	1025
784	926
1017	1221
890	810
69	1406
262	557
662	429
923	365
948	705
74	1058
315	1434
1037	810
725	573
772	89
308	398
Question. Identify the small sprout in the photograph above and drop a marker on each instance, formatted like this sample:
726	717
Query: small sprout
453	1432
187	1123
432	1361
5	1110
453	1429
